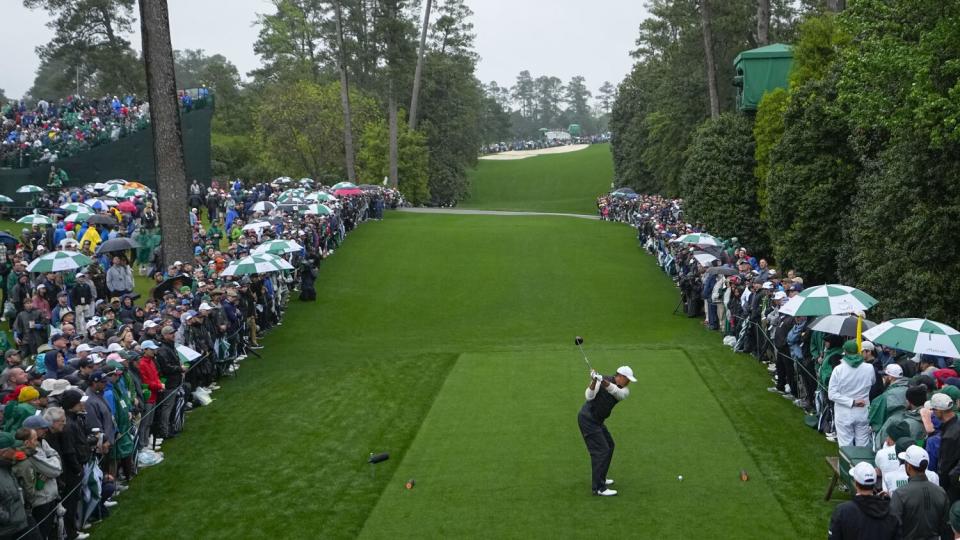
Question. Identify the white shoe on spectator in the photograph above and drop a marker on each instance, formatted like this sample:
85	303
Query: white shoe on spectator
832	437
109	503
82	536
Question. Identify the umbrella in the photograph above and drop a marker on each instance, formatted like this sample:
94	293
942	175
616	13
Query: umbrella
172	284
828	300
840	325
306	181
115	182
277	247
102	219
255	225
59	261
121	192
78	217
702	239
320	196
35	219
8	240
136	185
30	188
920	336
344	192
5	199
282	180
344	185
625	190
260	263
263	206
318	210
119	243
186	354
722	270
127	207
76	207
704	258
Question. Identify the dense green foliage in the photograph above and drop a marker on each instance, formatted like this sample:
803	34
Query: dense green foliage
718	180
446	367
856	162
413	163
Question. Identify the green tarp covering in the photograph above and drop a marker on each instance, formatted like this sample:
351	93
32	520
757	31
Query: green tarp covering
760	71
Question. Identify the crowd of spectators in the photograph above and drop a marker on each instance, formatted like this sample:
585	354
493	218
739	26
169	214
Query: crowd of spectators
97	376
898	406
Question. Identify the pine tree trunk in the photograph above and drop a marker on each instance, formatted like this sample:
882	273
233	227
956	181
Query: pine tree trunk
836	5
177	238
763	22
417	73
394	128
345	98
708	56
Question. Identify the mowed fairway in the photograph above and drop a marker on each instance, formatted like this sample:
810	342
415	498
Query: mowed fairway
550	183
447	341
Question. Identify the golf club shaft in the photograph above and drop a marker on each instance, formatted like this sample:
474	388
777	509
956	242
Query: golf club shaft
585	357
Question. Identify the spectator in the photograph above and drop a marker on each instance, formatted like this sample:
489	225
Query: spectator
921	506
867	516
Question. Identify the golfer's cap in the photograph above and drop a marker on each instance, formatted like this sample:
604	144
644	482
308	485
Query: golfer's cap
626	372
868	346
83	347
864	474
149	344
941	402
893	370
114	347
149	324
779	295
913	455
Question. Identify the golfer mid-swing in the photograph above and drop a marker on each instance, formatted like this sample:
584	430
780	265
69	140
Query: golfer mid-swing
602	394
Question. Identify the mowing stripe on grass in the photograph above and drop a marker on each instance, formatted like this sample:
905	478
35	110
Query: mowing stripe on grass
499	455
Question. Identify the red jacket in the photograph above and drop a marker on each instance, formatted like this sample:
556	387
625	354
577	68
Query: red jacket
150	377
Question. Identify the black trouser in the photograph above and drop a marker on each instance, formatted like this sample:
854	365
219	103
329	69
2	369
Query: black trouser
46	519
785	372
599	445
164	412
70	503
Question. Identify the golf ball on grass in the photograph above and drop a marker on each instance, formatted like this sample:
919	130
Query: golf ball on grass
680	478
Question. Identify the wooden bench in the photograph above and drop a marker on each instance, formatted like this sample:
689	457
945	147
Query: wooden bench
834	463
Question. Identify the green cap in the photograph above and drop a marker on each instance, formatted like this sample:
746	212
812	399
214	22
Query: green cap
905	442
850	347
898	431
951	391
7	440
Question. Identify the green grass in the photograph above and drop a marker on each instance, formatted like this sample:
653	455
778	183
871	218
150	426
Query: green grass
494	302
568	183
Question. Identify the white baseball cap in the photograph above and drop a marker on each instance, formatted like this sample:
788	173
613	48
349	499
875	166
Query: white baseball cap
868	346
149	324
914	454
941	402
767	285
893	370
779	295
83	347
864	474
114	347
626	372
205	307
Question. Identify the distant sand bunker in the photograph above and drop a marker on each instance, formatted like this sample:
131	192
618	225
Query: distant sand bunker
524	154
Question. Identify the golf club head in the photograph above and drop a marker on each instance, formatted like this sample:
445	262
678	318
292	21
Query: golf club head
578	341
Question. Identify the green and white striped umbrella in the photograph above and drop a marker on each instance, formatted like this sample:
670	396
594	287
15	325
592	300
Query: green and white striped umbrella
186	354
320	196
278	247
30	188
343	185
5	199
698	239
291	194
317	209
79	217
828	300
260	263
920	336
121	192
35	219
255	225
76	207
59	261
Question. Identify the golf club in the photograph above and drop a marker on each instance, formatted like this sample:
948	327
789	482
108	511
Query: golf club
579	343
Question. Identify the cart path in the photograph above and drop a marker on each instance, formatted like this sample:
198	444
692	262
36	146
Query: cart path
467	212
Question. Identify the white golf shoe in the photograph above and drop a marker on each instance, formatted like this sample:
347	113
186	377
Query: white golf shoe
609	481
606	493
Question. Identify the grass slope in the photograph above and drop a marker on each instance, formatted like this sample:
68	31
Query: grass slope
282	450
550	183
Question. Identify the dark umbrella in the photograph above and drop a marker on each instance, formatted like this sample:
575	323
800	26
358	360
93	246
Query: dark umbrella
722	270
841	325
8	240
101	219
171	284
117	244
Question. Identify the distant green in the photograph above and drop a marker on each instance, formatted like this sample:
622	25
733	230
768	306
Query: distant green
567	183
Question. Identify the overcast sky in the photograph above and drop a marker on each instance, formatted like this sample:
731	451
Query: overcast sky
548	37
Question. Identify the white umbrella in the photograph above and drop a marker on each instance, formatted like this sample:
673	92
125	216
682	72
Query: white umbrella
256	225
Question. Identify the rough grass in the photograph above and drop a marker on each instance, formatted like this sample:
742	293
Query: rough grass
282	451
568	183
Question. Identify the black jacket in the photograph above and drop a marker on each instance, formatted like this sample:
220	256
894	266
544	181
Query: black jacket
864	518
949	454
168	364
